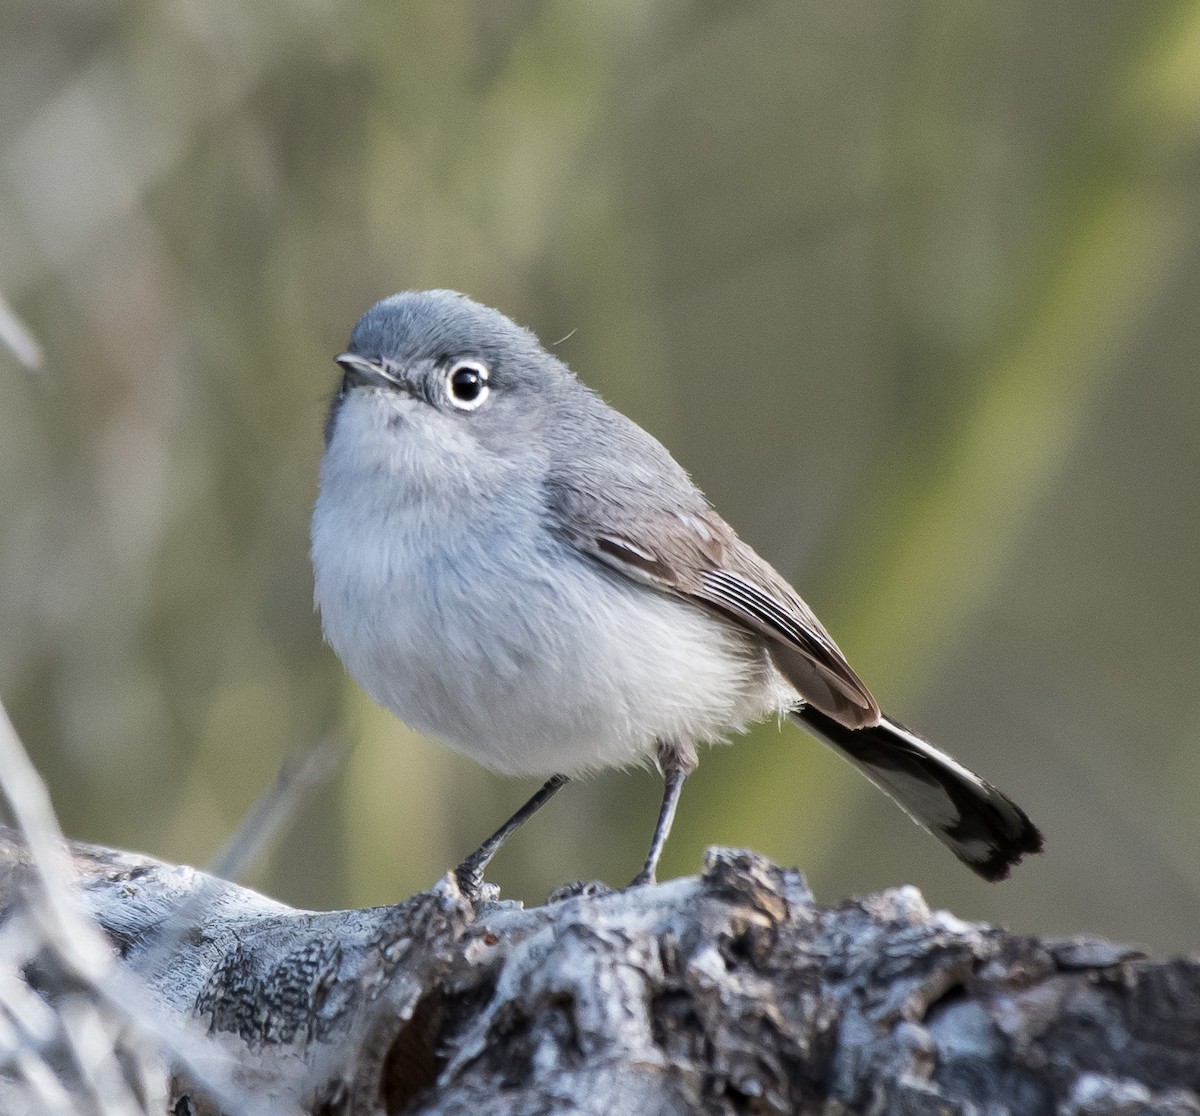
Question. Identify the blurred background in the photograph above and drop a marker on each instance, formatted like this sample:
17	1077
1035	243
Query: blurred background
910	287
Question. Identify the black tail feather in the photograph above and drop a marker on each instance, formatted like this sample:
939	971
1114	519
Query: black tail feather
984	828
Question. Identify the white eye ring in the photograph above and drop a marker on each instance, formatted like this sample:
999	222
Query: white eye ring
468	384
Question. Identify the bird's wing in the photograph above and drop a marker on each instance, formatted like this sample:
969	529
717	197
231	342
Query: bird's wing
661	532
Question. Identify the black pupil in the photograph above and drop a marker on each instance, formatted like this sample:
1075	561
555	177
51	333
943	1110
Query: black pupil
466	383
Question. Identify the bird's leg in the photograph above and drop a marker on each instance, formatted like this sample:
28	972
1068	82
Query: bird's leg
470	872
676	765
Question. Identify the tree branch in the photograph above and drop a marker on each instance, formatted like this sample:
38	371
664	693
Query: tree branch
728	993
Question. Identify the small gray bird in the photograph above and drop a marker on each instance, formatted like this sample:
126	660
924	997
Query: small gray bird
513	567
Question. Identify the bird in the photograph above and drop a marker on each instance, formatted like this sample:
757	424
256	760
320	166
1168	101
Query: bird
517	569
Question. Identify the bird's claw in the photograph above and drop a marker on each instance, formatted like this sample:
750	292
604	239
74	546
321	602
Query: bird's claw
470	881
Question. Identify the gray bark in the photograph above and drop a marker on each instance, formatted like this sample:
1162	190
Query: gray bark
729	993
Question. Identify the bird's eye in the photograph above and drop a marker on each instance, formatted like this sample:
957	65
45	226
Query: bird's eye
467	384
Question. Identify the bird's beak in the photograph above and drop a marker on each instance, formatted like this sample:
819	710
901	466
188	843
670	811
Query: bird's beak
362	370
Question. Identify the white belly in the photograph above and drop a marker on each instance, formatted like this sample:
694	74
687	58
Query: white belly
517	651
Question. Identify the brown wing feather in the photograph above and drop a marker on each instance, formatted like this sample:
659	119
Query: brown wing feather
802	649
700	558
628	504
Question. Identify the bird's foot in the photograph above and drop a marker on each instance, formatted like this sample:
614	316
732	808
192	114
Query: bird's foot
471	884
580	889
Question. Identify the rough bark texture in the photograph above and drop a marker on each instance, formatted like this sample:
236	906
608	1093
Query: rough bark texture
727	994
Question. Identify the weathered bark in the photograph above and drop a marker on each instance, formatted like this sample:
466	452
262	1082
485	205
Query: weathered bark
728	993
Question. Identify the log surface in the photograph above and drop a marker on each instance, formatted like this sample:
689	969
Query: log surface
728	993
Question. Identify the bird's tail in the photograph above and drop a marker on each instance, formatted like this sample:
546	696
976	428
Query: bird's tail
985	829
